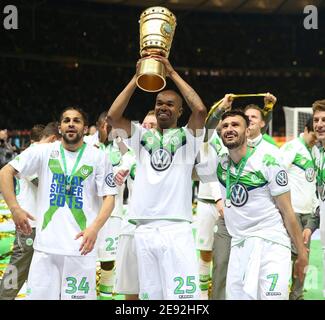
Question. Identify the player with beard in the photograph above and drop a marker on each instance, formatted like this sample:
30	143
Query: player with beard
258	120
161	204
258	215
26	191
73	179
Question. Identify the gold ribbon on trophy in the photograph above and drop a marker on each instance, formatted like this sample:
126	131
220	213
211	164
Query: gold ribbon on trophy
157	28
267	108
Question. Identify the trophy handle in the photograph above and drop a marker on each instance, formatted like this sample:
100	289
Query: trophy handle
151	75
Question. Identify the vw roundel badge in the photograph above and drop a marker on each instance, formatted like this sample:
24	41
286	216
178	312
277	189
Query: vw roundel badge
110	180
161	159
239	195
281	178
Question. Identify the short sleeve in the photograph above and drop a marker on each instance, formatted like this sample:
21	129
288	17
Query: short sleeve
288	154
28	162
136	134
215	190
207	163
128	160
104	177
275	174
195	142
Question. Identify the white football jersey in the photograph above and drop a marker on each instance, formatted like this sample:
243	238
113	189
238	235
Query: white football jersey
26	193
211	190
63	212
300	164
162	187
252	212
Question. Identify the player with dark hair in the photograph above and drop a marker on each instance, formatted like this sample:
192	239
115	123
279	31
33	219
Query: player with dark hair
258	215
73	179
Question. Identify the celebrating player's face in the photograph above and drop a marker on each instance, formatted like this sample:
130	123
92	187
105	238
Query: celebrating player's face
233	132
167	109
319	125
256	123
72	127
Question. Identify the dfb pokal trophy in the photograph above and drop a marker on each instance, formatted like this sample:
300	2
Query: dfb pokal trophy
157	27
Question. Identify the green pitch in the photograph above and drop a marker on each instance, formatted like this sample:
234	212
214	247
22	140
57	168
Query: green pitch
313	282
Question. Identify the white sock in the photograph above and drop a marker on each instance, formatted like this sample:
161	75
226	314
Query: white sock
106	283
204	271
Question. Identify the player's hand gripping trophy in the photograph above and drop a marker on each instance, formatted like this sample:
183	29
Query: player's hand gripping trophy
157	27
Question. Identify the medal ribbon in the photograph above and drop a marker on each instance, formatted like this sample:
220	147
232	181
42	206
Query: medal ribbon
241	167
81	151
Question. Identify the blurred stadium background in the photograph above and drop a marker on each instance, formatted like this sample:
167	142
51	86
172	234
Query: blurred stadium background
84	52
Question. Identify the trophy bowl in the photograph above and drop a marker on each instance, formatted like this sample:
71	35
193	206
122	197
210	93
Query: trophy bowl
157	28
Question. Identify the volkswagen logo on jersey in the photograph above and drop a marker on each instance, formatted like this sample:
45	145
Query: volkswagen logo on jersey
239	195
310	174
110	180
161	159
281	178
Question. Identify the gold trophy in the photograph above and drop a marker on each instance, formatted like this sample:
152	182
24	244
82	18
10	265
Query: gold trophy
157	27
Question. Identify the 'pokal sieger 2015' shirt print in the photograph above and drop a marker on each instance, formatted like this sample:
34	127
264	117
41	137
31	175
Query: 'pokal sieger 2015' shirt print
251	210
66	204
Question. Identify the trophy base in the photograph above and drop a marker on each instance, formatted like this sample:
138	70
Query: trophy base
151	75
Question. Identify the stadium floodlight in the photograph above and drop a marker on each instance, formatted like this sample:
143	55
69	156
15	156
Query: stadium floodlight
295	119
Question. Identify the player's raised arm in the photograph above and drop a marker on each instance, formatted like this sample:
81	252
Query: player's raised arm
214	118
115	113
